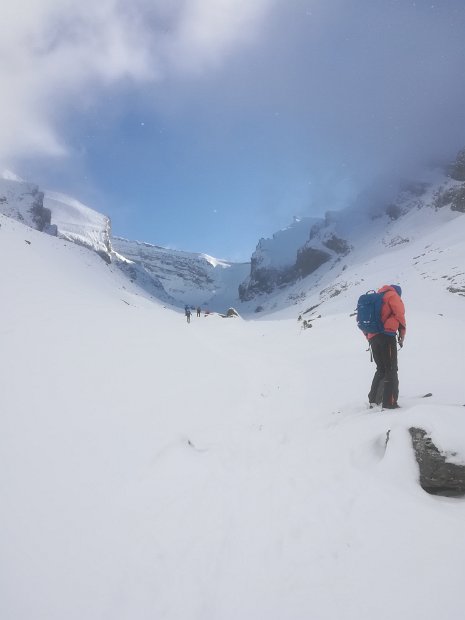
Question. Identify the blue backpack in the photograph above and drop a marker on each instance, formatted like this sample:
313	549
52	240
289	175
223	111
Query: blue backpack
369	313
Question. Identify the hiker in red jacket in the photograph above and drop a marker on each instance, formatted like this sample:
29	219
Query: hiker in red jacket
385	384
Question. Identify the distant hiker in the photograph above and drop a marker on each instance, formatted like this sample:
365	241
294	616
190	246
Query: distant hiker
198	310
188	315
381	331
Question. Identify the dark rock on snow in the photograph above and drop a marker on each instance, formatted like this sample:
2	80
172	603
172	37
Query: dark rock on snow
453	197
437	476
337	245
309	259
41	216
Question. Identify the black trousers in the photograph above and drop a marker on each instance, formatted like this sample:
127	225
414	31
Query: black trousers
385	384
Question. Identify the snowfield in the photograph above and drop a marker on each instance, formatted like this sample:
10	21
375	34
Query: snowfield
227	469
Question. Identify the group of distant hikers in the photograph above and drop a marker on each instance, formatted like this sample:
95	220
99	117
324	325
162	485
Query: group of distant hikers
188	313
381	317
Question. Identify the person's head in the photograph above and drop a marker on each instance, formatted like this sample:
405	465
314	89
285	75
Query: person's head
397	288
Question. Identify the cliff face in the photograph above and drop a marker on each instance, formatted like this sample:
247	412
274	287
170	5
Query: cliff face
55	214
307	250
187	277
305	246
78	223
25	203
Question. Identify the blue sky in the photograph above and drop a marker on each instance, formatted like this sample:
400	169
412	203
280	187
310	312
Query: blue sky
207	124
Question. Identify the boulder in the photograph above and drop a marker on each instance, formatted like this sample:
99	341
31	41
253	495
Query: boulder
337	245
437	475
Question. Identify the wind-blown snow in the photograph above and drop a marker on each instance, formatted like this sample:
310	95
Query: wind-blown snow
77	222
225	469
281	249
8	175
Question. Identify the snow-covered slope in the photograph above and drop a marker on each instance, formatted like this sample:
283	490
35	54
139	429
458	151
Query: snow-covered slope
189	278
172	276
55	213
346	238
226	469
284	269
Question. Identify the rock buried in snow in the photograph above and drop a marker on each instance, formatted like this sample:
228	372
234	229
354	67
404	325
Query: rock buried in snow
437	476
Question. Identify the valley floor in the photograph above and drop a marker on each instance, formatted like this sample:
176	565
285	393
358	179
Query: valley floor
221	470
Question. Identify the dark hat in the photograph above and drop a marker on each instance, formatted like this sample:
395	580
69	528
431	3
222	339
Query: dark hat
397	289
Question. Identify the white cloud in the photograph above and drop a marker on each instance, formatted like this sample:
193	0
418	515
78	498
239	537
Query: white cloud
209	29
53	52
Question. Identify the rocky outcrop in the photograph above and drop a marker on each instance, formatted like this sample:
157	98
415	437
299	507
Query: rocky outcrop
393	211
25	203
457	169
309	259
438	476
288	256
337	245
56	215
264	280
275	262
261	280
40	215
454	197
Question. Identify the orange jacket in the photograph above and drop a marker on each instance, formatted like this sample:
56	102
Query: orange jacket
392	312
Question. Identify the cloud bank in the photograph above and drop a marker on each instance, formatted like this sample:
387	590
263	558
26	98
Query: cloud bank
266	108
60	53
361	90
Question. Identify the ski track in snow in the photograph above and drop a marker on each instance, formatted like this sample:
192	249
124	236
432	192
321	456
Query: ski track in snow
224	469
